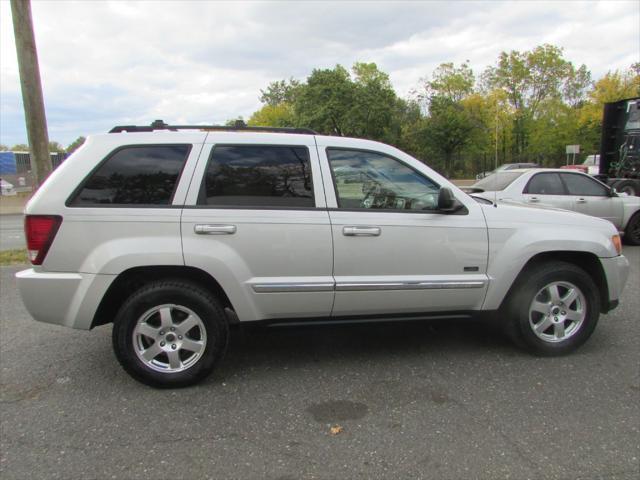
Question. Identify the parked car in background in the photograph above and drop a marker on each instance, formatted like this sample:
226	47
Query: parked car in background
591	165
566	189
507	166
6	188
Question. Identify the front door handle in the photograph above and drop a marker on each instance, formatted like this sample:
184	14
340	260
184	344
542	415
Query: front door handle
534	199
581	200
361	231
215	229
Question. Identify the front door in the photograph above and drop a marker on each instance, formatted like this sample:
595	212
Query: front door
394	253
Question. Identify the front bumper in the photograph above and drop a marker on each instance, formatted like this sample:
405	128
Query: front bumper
616	271
69	299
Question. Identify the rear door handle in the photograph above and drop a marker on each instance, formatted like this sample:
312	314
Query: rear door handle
361	231
581	200
215	229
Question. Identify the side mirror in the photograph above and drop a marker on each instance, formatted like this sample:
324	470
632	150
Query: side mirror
446	201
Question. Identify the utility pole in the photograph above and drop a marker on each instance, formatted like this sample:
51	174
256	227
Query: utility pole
31	89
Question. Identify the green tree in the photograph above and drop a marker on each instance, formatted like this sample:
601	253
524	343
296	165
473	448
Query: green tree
281	91
326	100
612	87
3	148
76	144
278	115
448	129
55	147
532	78
20	147
449	81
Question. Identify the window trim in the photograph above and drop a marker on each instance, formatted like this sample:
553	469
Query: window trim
566	187
69	202
201	188
462	211
526	187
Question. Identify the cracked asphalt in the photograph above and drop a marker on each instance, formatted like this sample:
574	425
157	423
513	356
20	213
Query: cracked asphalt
441	400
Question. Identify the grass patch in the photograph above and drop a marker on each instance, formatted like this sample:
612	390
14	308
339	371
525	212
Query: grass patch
14	257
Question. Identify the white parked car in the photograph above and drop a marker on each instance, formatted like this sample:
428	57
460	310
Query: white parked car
6	188
568	190
172	234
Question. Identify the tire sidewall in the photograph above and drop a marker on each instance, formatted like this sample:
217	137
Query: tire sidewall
530	288
630	239
167	293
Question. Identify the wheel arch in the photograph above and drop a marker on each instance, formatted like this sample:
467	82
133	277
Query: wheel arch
587	261
135	278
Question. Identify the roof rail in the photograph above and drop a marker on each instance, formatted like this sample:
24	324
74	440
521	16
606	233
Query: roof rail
238	126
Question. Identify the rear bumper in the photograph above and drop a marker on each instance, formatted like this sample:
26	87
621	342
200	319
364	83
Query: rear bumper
69	299
616	271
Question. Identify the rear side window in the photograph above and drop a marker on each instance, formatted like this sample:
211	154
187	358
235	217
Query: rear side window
136	175
258	176
545	184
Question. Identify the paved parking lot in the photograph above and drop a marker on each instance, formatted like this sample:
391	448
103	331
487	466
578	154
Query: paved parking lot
444	400
11	232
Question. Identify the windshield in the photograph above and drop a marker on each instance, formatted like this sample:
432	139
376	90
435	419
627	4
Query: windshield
497	181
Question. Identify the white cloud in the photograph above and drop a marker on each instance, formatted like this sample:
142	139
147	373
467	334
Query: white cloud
112	62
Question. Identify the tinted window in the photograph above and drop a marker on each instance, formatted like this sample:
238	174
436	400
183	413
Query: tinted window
545	184
135	176
371	180
496	181
583	185
258	176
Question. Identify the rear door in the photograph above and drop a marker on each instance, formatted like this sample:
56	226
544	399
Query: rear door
546	188
393	252
256	220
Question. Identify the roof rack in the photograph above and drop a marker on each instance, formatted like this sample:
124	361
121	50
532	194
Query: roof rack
238	126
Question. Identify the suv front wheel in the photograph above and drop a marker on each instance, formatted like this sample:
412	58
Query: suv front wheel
554	310
170	334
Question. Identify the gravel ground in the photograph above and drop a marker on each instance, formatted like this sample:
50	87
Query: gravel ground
441	400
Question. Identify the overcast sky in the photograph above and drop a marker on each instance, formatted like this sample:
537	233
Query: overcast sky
105	63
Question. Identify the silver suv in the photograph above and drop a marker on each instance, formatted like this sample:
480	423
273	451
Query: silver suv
173	234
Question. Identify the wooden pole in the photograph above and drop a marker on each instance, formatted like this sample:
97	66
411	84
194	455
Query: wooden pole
31	89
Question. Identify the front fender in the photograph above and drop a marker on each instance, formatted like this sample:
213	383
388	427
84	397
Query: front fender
510	249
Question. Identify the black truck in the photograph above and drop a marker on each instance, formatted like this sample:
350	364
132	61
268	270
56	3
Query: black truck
620	146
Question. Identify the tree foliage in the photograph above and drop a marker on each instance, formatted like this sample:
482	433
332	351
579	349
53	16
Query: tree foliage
76	144
526	107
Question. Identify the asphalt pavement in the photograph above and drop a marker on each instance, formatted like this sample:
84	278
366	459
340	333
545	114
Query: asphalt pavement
11	232
441	400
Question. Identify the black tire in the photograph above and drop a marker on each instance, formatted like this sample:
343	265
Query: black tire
531	285
179	296
627	186
632	231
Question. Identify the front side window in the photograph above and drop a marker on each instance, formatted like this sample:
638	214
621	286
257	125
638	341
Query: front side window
374	181
136	175
583	185
545	184
258	176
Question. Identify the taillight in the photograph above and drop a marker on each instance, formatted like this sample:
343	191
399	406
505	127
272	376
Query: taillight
40	230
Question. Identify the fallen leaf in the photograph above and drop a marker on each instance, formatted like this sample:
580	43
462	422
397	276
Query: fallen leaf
336	429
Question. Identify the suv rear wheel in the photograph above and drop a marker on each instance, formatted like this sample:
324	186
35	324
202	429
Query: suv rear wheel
170	334
554	310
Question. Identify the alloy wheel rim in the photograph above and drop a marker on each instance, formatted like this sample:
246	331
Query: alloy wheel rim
169	338
557	312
